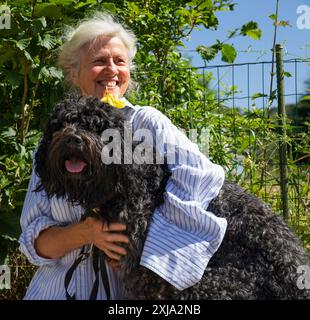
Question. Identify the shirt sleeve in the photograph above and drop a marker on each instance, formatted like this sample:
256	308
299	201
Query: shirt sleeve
36	216
182	235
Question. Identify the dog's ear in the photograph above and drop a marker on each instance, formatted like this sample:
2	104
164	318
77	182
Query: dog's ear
40	164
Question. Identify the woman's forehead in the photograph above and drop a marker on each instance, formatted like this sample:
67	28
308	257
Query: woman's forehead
106	46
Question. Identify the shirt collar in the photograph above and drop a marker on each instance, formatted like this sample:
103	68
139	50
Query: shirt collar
128	104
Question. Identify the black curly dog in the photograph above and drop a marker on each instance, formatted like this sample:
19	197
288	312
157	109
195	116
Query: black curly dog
258	258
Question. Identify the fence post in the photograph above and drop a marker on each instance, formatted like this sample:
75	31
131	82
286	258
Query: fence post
282	133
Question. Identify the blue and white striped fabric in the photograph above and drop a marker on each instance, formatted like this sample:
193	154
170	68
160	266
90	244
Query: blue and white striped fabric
182	236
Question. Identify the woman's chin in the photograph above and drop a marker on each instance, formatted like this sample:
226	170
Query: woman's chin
114	92
100	92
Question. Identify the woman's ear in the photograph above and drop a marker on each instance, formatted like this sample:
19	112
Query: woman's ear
74	76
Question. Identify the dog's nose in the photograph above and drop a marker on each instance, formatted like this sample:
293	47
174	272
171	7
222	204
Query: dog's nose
73	139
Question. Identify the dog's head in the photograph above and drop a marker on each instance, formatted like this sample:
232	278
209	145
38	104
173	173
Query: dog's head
69	157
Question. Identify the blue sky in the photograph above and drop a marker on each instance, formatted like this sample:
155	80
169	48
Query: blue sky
296	44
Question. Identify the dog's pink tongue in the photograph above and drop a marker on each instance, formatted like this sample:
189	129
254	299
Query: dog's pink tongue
75	165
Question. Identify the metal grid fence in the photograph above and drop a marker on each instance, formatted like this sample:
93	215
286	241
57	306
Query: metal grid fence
242	111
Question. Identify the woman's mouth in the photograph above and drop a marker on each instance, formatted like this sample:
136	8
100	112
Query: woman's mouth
108	84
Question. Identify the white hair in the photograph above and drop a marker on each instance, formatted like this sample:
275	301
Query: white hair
89	32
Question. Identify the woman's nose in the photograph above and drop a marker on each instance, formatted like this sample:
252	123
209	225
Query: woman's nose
111	66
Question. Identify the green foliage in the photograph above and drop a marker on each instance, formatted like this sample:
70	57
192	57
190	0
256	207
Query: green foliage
281	23
15	169
27	73
228	52
27	63
21	274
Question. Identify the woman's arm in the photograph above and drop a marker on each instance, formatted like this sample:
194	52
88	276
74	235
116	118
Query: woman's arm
182	236
55	242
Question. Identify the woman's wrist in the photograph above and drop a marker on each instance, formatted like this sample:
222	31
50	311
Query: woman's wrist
87	230
57	241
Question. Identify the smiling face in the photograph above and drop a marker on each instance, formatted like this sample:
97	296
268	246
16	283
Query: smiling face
104	65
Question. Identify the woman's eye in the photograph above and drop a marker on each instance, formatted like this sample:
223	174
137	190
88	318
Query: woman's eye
120	61
99	62
102	62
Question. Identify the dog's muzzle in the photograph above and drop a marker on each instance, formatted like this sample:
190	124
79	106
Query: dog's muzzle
74	162
73	140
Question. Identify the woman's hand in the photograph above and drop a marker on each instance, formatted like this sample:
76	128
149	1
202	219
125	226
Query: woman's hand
105	236
57	241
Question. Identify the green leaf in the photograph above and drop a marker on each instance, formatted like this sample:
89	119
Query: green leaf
14	78
48	10
273	17
305	98
252	25
251	30
9	224
28	56
258	95
23	43
39	24
55	73
255	34
47	42
49	73
108	7
7	55
8	133
68	2
287	74
44	74
206	4
21	150
80	5
207	53
229	53
273	95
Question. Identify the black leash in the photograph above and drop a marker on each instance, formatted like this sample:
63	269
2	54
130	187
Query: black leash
98	264
96	267
81	257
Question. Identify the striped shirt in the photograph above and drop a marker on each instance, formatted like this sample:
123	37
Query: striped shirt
182	235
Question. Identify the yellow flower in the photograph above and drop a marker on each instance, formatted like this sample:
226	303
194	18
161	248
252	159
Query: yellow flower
112	101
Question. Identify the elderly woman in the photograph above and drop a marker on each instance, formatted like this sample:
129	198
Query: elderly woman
182	237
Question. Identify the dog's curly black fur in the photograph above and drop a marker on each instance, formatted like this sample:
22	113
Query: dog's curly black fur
258	258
